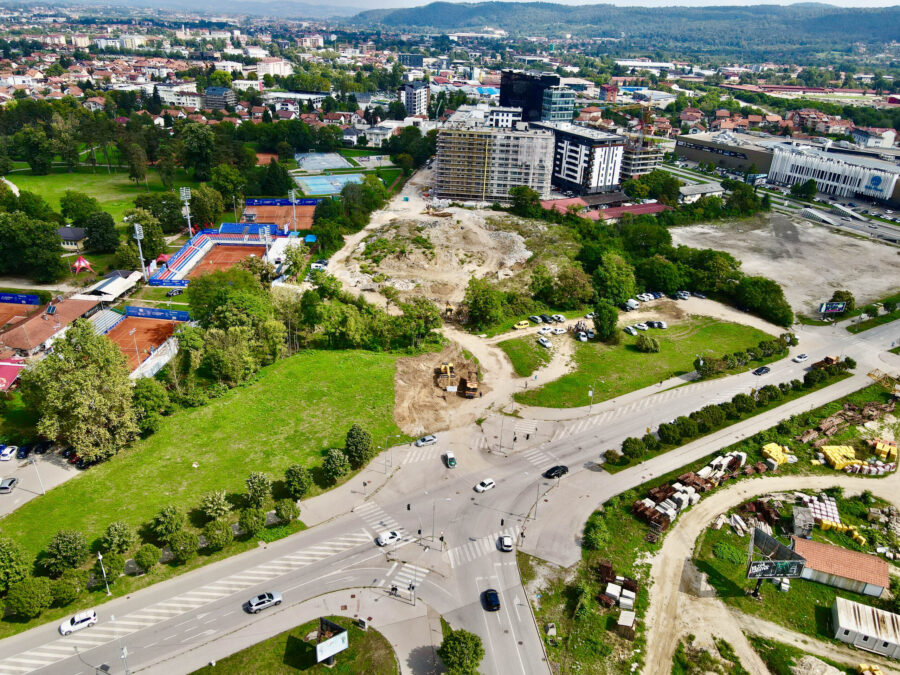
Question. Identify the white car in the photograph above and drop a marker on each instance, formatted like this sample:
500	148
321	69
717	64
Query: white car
426	440
387	537
630	330
546	330
8	452
582	337
77	622
485	485
558	317
544	342
589	315
505	543
559	331
591	335
642	326
800	358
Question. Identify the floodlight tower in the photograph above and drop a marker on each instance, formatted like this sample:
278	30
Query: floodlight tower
185	193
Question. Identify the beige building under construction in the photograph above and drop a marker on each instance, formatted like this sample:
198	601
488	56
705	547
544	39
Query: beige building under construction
480	157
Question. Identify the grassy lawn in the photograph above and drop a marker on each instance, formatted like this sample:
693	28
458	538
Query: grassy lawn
360	152
526	354
155	293
507	324
615	370
114	191
879	320
369	652
17	422
297	409
780	658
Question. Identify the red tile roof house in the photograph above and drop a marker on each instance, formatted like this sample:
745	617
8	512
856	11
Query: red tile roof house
843	568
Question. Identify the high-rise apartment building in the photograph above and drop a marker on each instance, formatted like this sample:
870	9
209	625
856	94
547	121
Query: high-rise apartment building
639	159
415	96
525	89
585	160
481	163
557	104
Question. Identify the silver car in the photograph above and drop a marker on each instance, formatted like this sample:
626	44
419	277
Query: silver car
263	601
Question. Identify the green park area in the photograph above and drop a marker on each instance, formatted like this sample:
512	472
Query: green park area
614	370
368	652
526	354
294	411
115	192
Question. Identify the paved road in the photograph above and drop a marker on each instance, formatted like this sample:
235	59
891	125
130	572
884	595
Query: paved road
202	609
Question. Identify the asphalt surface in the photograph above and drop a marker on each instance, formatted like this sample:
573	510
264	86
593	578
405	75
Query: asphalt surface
201	611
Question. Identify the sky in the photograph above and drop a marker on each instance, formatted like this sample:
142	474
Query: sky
659	3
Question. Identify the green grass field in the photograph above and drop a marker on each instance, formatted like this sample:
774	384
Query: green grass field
781	658
369	652
879	320
114	191
297	409
612	371
526	354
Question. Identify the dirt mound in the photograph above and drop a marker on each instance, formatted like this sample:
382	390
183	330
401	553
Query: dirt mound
810	665
420	405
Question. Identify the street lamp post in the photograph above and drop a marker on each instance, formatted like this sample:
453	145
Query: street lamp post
185	194
293	195
137	354
138	235
103	571
386	438
34	464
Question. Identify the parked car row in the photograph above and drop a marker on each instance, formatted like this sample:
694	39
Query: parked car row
633	330
546	318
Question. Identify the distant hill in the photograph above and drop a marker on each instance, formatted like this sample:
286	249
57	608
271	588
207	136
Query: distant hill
752	25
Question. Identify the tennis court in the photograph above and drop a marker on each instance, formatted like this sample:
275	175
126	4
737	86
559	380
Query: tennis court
282	216
15	312
223	256
320	161
327	185
148	335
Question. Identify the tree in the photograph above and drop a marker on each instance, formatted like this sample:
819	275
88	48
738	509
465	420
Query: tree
127	257
100	232
259	488
396	110
83	396
646	343
525	201
805	190
198	144
252	521
218	535
36	148
358	446
297	480
276	180
29	597
214	504
165	207
153	243
206	205
30	247
614	279
137	163
287	510
184	546
113	565
606	317
147	557
228	182
77	207
68	549
484	302
670	434
461	652
765	298
335	465
118	538
167	523
658	273
69	586
13	564
150	400
633	447
166	168
845	297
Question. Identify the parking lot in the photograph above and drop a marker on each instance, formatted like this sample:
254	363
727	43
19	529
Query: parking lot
52	469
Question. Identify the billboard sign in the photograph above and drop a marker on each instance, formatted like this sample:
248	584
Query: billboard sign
832	307
19	299
154	313
777	560
332	639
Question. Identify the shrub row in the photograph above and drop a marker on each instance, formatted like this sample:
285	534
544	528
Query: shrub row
707	367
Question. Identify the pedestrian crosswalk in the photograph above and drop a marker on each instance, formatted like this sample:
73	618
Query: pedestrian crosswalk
377	518
111	630
420	454
477	548
481	443
540	458
409	574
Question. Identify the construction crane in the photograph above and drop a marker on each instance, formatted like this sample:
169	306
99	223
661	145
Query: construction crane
888	382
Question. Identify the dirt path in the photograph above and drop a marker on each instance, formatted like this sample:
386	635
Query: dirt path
667	617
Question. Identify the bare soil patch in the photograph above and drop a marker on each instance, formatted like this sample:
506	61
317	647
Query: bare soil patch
809	261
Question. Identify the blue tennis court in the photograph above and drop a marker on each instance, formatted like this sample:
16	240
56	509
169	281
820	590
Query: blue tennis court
320	161
327	185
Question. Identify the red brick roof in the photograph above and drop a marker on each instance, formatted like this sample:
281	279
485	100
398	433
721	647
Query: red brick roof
843	562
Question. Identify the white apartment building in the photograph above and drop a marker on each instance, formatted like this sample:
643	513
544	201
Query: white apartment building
838	175
180	96
478	163
311	41
415	96
495	117
255	52
875	137
585	160
271	66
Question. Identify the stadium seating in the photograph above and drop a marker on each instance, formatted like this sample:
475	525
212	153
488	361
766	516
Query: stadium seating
105	320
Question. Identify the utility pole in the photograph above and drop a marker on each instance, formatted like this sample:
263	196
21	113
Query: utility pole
34	464
138	235
124	658
103	570
293	195
433	507
537	498
185	193
137	354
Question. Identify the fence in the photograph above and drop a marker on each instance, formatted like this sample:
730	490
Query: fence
281	202
19	299
155	362
155	313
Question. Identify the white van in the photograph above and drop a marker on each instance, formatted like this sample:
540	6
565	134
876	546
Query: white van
631	304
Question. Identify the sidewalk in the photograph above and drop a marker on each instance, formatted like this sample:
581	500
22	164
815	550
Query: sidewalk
414	632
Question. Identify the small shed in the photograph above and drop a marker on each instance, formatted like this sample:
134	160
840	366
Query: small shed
843	568
625	624
866	627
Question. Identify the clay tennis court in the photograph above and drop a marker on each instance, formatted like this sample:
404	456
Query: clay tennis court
283	216
223	256
9	311
264	158
148	334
